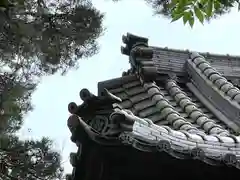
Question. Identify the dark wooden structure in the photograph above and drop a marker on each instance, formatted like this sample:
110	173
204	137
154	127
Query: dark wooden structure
174	114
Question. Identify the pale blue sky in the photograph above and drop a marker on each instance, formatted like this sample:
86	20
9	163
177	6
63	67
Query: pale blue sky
55	92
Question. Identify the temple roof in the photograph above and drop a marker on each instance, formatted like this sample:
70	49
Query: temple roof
184	103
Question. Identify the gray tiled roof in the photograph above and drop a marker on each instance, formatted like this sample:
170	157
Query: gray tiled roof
173	101
177	117
136	99
203	105
173	60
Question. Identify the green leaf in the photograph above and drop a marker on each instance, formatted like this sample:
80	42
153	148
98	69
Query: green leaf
217	5
191	19
189	2
173	3
199	14
209	9
182	3
204	2
186	17
176	17
191	22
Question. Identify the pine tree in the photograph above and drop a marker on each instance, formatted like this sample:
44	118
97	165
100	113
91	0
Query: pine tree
15	101
42	37
31	159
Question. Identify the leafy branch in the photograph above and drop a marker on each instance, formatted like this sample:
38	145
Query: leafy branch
203	10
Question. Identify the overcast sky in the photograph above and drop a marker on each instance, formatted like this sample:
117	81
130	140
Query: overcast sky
55	92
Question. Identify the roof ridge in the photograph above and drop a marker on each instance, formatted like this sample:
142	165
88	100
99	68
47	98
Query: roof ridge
202	53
